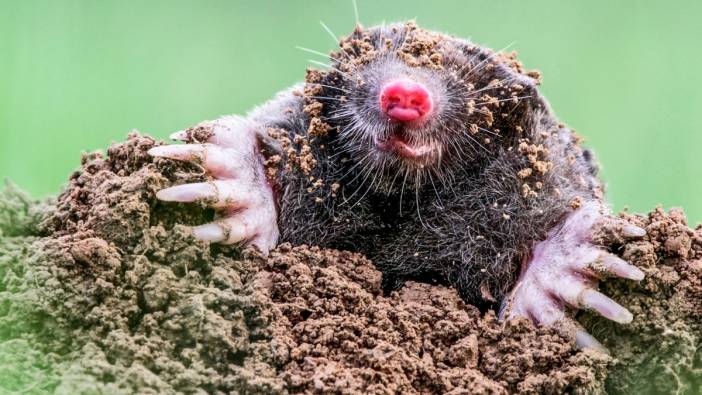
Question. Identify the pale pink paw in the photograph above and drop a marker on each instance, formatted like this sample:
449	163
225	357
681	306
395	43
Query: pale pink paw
240	192
563	273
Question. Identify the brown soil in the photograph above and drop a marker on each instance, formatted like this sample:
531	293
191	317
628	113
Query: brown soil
339	334
658	353
128	300
144	307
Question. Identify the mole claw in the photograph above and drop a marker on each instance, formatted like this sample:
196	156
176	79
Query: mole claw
167	195
231	194
156	151
188	192
621	268
585	340
179	152
630	230
227	231
170	151
605	306
180	135
216	160
212	232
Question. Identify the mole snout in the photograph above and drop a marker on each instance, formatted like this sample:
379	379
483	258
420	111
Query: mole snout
405	100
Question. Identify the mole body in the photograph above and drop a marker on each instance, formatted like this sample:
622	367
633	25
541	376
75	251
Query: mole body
436	158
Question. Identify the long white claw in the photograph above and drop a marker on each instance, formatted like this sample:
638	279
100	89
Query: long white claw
211	232
187	192
585	340
180	135
228	230
630	230
180	152
605	306
219	193
217	160
621	268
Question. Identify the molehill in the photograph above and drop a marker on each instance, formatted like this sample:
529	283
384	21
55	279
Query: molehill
104	290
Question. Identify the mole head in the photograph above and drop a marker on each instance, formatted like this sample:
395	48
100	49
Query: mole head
403	100
394	104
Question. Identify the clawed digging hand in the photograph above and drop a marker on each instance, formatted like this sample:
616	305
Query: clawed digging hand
563	273
239	190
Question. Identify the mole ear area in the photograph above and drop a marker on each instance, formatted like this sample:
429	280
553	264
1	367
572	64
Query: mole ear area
483	66
388	36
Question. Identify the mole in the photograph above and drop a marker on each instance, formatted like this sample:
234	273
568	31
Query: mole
436	158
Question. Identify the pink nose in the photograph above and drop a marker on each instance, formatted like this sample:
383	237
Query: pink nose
405	100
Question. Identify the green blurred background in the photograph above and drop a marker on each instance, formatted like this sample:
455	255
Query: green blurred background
77	75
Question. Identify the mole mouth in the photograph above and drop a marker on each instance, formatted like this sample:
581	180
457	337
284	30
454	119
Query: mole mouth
403	114
399	144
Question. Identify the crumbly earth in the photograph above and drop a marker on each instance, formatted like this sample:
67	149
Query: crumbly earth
102	291
658	353
340	334
107	295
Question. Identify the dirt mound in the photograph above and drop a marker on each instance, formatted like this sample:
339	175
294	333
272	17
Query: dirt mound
658	353
339	334
118	298
104	290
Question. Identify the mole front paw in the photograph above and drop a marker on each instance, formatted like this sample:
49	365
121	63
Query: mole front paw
240	192
564	270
